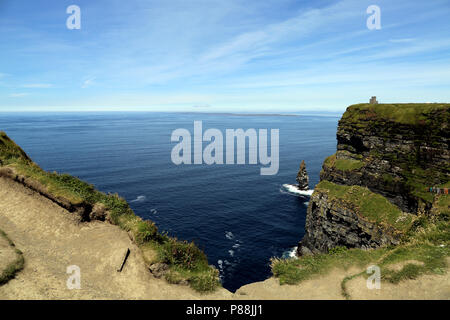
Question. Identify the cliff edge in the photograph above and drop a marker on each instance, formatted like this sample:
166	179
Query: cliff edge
56	219
382	202
378	182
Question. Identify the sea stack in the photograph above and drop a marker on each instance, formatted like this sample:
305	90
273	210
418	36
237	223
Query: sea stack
302	177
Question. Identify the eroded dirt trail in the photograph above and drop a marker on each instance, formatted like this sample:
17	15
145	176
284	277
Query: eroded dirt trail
51	239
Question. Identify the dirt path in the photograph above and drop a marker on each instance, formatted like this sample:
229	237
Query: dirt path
51	239
429	287
432	287
327	287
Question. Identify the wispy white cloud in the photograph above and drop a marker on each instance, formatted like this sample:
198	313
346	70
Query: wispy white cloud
38	85
411	49
88	82
201	106
18	95
404	40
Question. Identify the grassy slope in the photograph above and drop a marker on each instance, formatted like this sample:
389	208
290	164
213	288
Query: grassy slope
427	241
343	164
426	238
186	260
372	206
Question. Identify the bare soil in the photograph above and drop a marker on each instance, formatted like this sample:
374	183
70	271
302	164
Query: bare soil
52	239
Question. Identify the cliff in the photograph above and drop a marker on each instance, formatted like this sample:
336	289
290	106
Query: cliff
178	262
378	182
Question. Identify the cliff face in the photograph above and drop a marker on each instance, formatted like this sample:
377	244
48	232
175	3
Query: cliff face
388	156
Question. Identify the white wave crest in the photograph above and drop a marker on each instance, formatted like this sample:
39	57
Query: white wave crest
292	253
229	235
293	190
139	199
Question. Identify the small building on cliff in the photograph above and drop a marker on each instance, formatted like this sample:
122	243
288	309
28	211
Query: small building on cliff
373	100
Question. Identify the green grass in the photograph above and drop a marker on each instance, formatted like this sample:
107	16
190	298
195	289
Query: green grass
343	164
442	203
294	271
403	113
330	161
14	267
370	205
185	257
205	281
9	151
348	164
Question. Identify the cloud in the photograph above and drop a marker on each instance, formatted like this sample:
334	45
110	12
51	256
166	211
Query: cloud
18	95
412	49
402	40
38	85
88	82
267	40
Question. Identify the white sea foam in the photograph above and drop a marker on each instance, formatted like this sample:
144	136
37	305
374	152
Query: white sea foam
293	190
291	253
153	211
229	235
139	199
231	252
220	267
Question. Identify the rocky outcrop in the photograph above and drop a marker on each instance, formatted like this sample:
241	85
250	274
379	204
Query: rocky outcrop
391	152
402	149
332	222
159	269
302	177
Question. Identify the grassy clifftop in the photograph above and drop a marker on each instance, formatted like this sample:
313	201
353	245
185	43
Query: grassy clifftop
371	206
388	156
401	113
186	262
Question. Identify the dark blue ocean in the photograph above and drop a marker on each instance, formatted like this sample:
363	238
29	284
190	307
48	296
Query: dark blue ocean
240	218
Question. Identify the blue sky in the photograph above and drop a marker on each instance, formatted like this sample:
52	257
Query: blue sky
228	55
